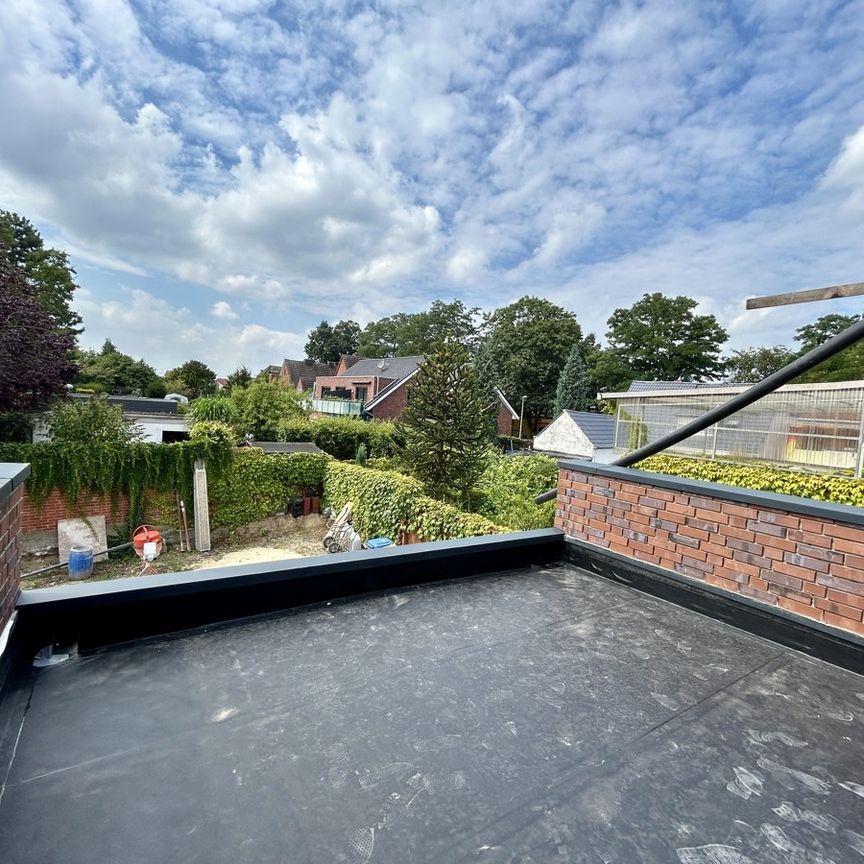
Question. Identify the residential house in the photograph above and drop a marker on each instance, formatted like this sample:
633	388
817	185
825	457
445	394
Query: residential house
301	374
579	435
363	379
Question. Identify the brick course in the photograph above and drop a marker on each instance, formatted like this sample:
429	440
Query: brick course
810	566
45	516
11	508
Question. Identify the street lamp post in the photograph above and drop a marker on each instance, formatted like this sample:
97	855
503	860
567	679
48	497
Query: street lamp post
521	415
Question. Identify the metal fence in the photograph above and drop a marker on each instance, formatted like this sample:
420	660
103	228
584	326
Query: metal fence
812	425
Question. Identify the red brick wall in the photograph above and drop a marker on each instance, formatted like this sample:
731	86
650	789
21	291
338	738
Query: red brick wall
505	420
391	407
808	565
373	384
11	509
46	516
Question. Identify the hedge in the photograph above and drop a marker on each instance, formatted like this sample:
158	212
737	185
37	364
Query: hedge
506	490
259	484
341	436
819	487
387	503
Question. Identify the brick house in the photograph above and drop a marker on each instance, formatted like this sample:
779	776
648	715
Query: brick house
361	380
301	374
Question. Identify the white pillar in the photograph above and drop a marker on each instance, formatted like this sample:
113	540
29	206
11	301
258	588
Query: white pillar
202	508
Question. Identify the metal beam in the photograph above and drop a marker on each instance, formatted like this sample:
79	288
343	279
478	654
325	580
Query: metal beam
853	289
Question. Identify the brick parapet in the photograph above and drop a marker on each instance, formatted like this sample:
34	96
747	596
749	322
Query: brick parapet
807	563
11	512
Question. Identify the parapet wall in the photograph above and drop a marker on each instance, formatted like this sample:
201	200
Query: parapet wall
12	477
804	556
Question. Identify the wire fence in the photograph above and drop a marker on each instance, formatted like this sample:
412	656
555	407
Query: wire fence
818	426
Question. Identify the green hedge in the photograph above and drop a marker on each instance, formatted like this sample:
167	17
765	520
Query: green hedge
341	436
115	469
387	503
819	487
508	486
259	484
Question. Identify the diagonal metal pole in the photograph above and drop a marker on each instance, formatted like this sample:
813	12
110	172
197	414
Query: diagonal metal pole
797	367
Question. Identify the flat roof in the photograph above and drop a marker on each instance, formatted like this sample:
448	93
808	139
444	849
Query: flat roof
543	714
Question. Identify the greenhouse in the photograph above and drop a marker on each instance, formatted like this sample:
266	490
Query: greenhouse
819	426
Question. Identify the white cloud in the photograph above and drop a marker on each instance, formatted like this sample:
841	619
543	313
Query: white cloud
222	309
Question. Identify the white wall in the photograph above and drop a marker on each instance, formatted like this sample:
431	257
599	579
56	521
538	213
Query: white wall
563	436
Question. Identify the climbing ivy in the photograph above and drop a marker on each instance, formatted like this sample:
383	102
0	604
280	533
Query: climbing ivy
115	469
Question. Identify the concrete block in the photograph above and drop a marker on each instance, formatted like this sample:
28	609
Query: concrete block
89	531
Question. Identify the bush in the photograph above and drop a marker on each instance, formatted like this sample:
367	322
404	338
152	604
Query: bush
767	478
508	486
214	408
258	484
86	421
386	504
341	436
214	432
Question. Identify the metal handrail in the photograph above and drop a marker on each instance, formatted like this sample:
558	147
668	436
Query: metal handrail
792	370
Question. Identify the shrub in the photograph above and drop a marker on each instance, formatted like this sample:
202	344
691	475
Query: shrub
507	488
213	431
214	408
341	436
86	421
767	478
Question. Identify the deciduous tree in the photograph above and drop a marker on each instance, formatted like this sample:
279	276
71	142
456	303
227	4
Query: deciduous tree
848	365
111	371
754	364
326	343
662	339
192	379
524	349
34	353
84	421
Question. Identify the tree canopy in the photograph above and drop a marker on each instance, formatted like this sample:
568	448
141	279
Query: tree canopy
327	344
403	334
47	270
754	364
110	371
34	352
848	365
448	422
240	377
524	349
192	379
262	406
662	339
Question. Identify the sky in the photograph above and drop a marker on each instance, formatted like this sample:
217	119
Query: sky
227	173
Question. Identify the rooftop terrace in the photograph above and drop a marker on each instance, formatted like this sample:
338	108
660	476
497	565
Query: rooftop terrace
541	714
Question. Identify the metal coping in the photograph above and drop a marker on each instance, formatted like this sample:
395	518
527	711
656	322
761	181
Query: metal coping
768	500
769	622
101	613
12	475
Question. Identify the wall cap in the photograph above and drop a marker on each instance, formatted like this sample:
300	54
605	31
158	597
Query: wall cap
12	475
739	495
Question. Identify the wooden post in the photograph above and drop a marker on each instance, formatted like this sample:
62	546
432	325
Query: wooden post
202	508
832	292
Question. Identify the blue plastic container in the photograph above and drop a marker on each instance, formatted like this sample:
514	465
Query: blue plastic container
80	562
378	543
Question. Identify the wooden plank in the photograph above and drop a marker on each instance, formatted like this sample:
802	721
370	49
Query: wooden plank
853	289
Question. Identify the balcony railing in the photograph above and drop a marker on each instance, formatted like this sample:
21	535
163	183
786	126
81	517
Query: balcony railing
336	406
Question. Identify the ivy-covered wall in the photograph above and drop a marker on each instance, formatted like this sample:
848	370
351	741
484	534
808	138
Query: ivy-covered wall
819	487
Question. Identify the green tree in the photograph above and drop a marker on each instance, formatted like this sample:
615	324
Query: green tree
447	424
47	270
192	379
262	406
111	371
220	409
34	353
240	377
403	334
85	421
327	344
523	351
754	364
574	389
662	339
848	365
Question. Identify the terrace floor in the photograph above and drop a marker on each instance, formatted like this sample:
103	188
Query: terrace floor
539	715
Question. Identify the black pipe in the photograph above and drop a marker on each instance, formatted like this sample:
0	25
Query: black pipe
797	367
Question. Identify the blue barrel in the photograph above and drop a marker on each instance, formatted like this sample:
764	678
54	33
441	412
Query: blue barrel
80	562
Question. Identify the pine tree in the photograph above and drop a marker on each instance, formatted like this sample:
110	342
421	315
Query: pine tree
448	422
573	391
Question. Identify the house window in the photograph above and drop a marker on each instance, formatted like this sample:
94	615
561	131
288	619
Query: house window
325	391
360	393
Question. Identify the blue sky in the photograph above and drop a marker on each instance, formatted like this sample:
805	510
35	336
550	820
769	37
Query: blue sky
225	173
